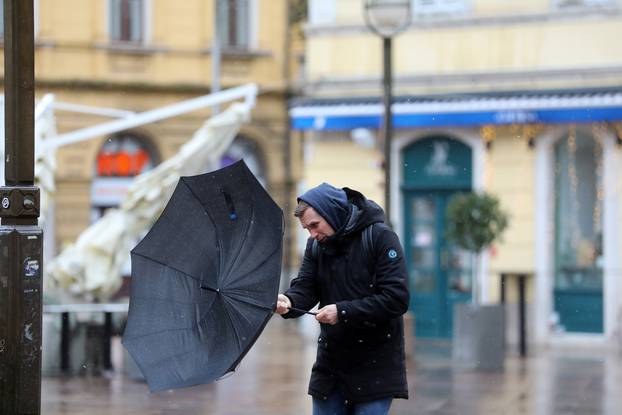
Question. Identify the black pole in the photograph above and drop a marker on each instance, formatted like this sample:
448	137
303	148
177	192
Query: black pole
19	93
387	83
107	359
288	180
299	310
20	237
522	316
502	288
64	342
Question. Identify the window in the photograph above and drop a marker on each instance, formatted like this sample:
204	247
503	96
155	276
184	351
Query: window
322	12
235	23
120	159
127	20
432	7
578	211
582	3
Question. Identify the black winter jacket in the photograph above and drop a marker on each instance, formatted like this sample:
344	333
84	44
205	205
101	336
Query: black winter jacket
363	354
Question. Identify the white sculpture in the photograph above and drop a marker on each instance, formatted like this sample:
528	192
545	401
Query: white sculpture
91	267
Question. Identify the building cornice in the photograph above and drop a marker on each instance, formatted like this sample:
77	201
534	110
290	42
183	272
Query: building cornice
147	49
484	78
142	87
449	22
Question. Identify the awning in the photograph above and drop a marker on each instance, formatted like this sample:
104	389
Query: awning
464	110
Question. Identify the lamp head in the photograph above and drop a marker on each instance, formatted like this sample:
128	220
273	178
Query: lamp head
387	17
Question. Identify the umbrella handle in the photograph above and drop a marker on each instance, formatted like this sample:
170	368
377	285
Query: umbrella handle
303	311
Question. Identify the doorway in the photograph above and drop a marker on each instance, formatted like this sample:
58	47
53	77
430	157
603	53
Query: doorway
435	169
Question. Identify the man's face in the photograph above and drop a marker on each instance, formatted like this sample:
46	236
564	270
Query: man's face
317	226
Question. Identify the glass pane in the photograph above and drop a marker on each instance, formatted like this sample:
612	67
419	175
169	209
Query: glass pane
242	24
223	22
459	265
423	244
460	281
423	209
459	259
423	281
136	20
578	211
423	258
423	235
115	19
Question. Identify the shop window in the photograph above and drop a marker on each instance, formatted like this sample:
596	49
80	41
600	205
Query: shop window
578	212
562	4
440	7
235	23
127	20
120	159
322	12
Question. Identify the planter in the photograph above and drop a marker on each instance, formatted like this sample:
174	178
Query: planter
479	337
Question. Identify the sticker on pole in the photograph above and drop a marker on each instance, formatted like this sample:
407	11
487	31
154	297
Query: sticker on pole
31	268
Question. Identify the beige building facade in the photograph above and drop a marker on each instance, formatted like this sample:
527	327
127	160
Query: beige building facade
517	98
140	55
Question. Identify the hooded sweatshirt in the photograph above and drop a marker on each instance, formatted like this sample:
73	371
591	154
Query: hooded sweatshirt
363	354
329	202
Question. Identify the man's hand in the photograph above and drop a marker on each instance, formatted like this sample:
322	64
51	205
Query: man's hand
327	314
282	304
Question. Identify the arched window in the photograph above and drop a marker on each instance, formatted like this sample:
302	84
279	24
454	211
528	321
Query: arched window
120	158
578	231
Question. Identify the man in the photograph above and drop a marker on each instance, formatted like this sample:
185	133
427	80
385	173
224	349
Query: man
360	285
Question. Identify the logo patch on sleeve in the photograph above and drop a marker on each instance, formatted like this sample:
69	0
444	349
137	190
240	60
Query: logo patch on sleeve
392	253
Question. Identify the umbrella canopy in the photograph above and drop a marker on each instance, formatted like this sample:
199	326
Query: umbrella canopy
204	279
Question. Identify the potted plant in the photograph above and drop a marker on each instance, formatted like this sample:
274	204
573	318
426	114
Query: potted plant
475	221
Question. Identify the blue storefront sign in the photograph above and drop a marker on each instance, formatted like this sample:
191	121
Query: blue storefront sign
413	112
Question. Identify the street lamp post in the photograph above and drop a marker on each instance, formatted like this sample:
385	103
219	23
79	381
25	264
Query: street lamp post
20	237
387	18
216	53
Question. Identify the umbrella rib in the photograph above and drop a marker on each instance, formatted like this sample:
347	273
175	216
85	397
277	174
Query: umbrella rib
164	265
167	300
268	257
216	229
157	332
185	352
237	336
240	314
244	241
236	297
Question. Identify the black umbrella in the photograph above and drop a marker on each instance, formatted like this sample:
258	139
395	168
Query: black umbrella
204	279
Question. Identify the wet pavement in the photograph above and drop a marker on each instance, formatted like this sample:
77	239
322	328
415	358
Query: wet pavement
272	379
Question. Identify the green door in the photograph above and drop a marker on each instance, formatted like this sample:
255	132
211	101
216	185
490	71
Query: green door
440	274
434	169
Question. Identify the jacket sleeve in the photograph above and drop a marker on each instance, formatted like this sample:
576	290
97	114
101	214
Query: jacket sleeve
390	298
303	291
